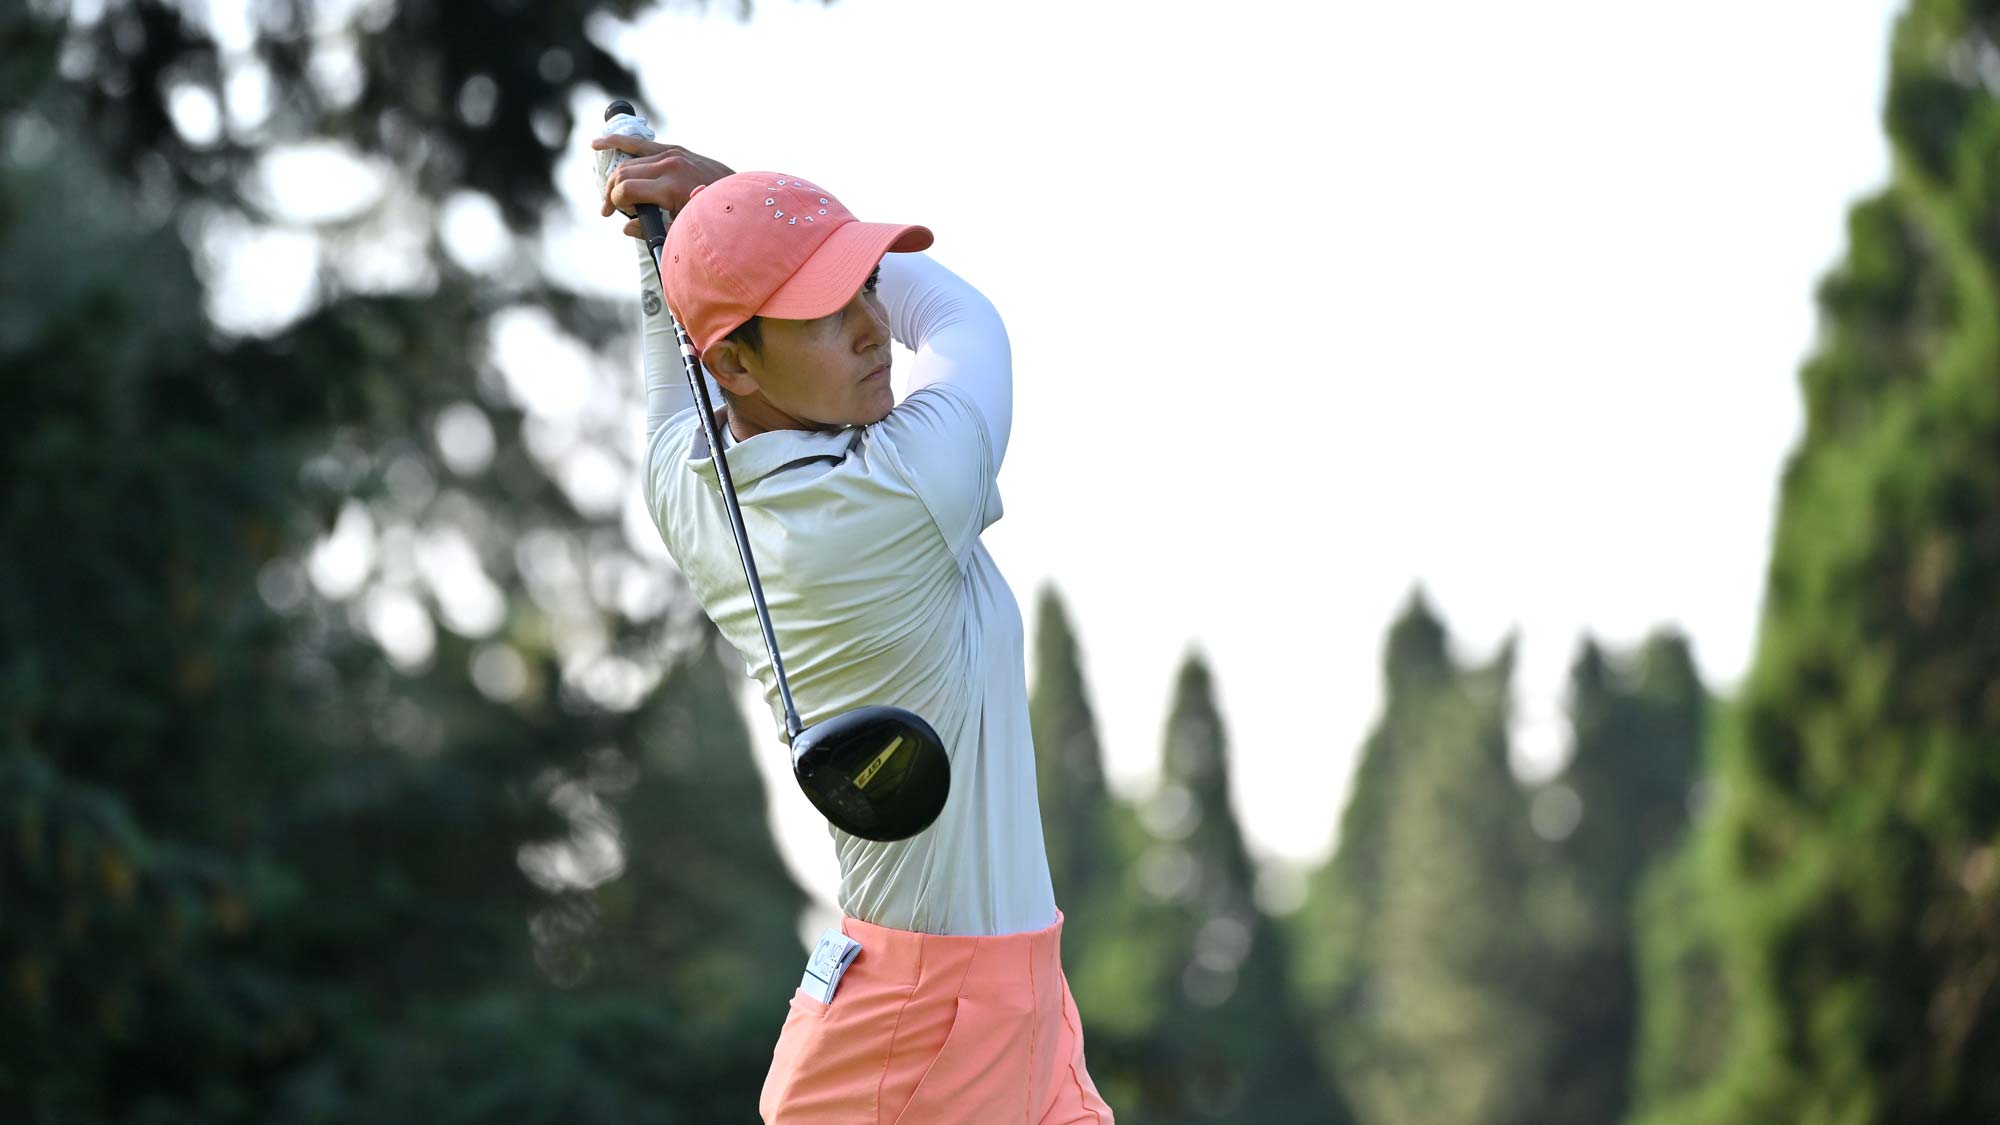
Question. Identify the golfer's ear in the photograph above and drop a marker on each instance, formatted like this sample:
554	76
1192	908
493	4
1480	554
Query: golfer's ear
724	361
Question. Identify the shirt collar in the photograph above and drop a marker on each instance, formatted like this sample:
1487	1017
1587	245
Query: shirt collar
765	453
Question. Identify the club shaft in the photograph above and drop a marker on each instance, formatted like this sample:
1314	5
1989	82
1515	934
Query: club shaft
707	412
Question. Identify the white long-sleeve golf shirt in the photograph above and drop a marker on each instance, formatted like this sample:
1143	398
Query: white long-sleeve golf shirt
880	592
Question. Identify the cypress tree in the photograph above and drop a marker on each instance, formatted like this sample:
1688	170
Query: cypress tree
1685	1000
263	862
1226	1044
1417	943
1093	841
1619	808
1849	872
1069	766
706	913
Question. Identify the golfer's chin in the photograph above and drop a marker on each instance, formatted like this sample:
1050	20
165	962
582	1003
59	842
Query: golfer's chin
877	405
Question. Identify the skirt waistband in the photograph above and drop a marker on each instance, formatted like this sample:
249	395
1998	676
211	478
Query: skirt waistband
960	961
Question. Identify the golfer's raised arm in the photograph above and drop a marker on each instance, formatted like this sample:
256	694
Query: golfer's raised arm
667	391
958	338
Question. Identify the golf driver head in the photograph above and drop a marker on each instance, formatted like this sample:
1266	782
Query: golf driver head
879	773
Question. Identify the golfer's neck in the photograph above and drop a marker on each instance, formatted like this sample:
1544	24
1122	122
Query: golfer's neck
741	427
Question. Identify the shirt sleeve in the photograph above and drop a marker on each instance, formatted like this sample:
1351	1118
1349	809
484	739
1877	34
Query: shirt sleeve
958	339
667	392
949	434
937	441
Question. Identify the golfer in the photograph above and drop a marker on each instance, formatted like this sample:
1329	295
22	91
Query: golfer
865	516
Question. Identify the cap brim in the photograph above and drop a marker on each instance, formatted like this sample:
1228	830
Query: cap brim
834	273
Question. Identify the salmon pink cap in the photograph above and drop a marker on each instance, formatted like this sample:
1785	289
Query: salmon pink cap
770	244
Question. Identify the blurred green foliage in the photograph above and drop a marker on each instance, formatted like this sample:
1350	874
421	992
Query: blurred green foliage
1179	973
258	862
1830	949
1422	923
1466	955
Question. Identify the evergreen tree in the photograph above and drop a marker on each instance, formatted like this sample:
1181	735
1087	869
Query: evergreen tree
1069	764
1619	806
1417	943
1348	890
286	844
1849	871
1225	1043
1093	840
693	830
1685	1000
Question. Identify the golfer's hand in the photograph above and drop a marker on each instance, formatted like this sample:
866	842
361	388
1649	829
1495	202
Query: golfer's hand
661	174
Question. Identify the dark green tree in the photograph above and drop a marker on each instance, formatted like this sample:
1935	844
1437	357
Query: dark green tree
1850	873
1093	842
1349	889
1223	1042
1618	808
289	838
1069	764
1418	943
690	813
1685	1001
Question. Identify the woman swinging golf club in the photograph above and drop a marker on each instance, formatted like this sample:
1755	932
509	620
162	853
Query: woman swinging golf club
941	997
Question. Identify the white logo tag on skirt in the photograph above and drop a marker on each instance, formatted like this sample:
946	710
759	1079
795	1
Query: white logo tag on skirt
829	960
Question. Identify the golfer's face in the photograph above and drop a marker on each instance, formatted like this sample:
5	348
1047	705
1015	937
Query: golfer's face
833	371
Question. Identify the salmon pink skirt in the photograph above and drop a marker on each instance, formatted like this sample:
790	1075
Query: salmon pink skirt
931	1030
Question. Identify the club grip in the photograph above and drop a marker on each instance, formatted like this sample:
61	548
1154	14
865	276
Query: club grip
653	225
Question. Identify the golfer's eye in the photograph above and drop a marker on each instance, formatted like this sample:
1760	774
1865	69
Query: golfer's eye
874	279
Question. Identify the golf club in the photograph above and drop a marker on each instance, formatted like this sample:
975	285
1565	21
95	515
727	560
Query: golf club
880	773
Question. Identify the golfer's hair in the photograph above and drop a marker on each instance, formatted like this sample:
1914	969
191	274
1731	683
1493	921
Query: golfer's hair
750	334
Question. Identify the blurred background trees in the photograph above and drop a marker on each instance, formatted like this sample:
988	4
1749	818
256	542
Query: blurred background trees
356	764
1414	936
362	761
1843	901
1224	1042
1467	953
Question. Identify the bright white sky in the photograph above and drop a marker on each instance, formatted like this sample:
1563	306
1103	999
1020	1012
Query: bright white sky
1311	304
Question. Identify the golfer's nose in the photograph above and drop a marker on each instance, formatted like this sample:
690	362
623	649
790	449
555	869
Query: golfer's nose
874	326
